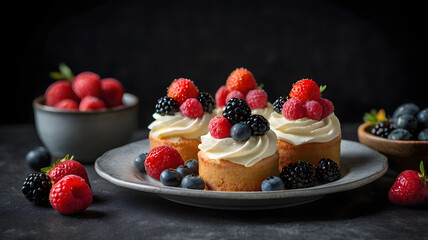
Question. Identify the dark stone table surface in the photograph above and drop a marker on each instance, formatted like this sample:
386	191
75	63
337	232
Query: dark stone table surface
120	213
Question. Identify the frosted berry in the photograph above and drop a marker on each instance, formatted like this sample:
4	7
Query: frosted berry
90	103
313	110
59	90
161	158
219	127
242	80
69	104
181	89
293	109
192	108
112	92
305	90
220	96
234	94
87	84
256	98
327	107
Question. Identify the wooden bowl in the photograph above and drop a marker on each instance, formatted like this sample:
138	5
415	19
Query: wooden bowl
402	155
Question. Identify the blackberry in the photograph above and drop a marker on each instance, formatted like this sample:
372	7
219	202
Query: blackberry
326	171
36	188
382	129
298	175
279	102
259	125
236	110
207	101
166	106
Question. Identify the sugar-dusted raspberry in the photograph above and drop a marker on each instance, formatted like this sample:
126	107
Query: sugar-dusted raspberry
293	109
181	89
192	108
256	98
234	94
313	110
220	96
327	107
219	127
161	158
305	90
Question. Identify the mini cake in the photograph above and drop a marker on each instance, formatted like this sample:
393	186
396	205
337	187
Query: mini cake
242	84
306	126
181	118
239	152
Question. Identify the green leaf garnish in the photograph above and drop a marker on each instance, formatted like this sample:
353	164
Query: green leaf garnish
375	117
261	86
64	73
322	88
422	173
47	169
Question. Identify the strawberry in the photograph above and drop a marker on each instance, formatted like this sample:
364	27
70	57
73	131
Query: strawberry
59	90
90	103
192	108
219	127
305	90
161	158
67	104
256	98
220	96
242	80
87	84
234	94
410	188
66	166
181	89
70	195
111	92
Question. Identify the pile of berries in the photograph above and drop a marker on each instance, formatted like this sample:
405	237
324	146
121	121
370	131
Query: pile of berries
165	164
304	100
64	185
184	97
241	84
84	92
302	175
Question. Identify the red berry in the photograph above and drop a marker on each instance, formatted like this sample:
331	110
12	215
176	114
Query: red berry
410	188
58	91
90	103
220	96
293	109
234	94
87	84
70	195
242	80
161	158
219	127
64	167
192	108
256	98
111	92
182	89
305	90
67	104
313	110
327	107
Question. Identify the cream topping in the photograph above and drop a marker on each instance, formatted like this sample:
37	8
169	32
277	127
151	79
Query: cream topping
305	130
245	153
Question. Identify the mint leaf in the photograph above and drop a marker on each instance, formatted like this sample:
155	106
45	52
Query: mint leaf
66	71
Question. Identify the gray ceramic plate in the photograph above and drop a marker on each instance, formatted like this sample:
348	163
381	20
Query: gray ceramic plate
360	165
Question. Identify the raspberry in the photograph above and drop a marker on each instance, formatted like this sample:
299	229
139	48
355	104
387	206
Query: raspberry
59	90
87	84
293	109
111	92
305	90
236	110
182	89
313	110
234	94
327	107
67	104
220	96
90	103
219	127
192	108
279	103
66	166
36	188
242	80
166	106
207	101
70	195
161	158
256	98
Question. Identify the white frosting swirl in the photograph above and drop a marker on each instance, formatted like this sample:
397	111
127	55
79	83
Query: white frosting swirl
305	130
265	112
245	153
177	125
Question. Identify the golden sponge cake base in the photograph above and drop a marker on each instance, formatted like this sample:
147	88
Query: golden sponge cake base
188	148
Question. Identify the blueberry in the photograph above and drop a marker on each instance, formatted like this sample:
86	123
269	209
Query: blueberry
193	181
184	170
240	131
139	162
423	135
406	121
422	118
38	158
170	177
272	183
193	164
400	134
406	108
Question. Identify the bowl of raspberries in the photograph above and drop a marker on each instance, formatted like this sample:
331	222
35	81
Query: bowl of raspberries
84	115
402	137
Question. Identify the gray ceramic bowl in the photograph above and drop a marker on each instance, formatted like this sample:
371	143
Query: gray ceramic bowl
86	135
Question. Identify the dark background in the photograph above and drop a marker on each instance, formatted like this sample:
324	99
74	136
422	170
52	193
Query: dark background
370	54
